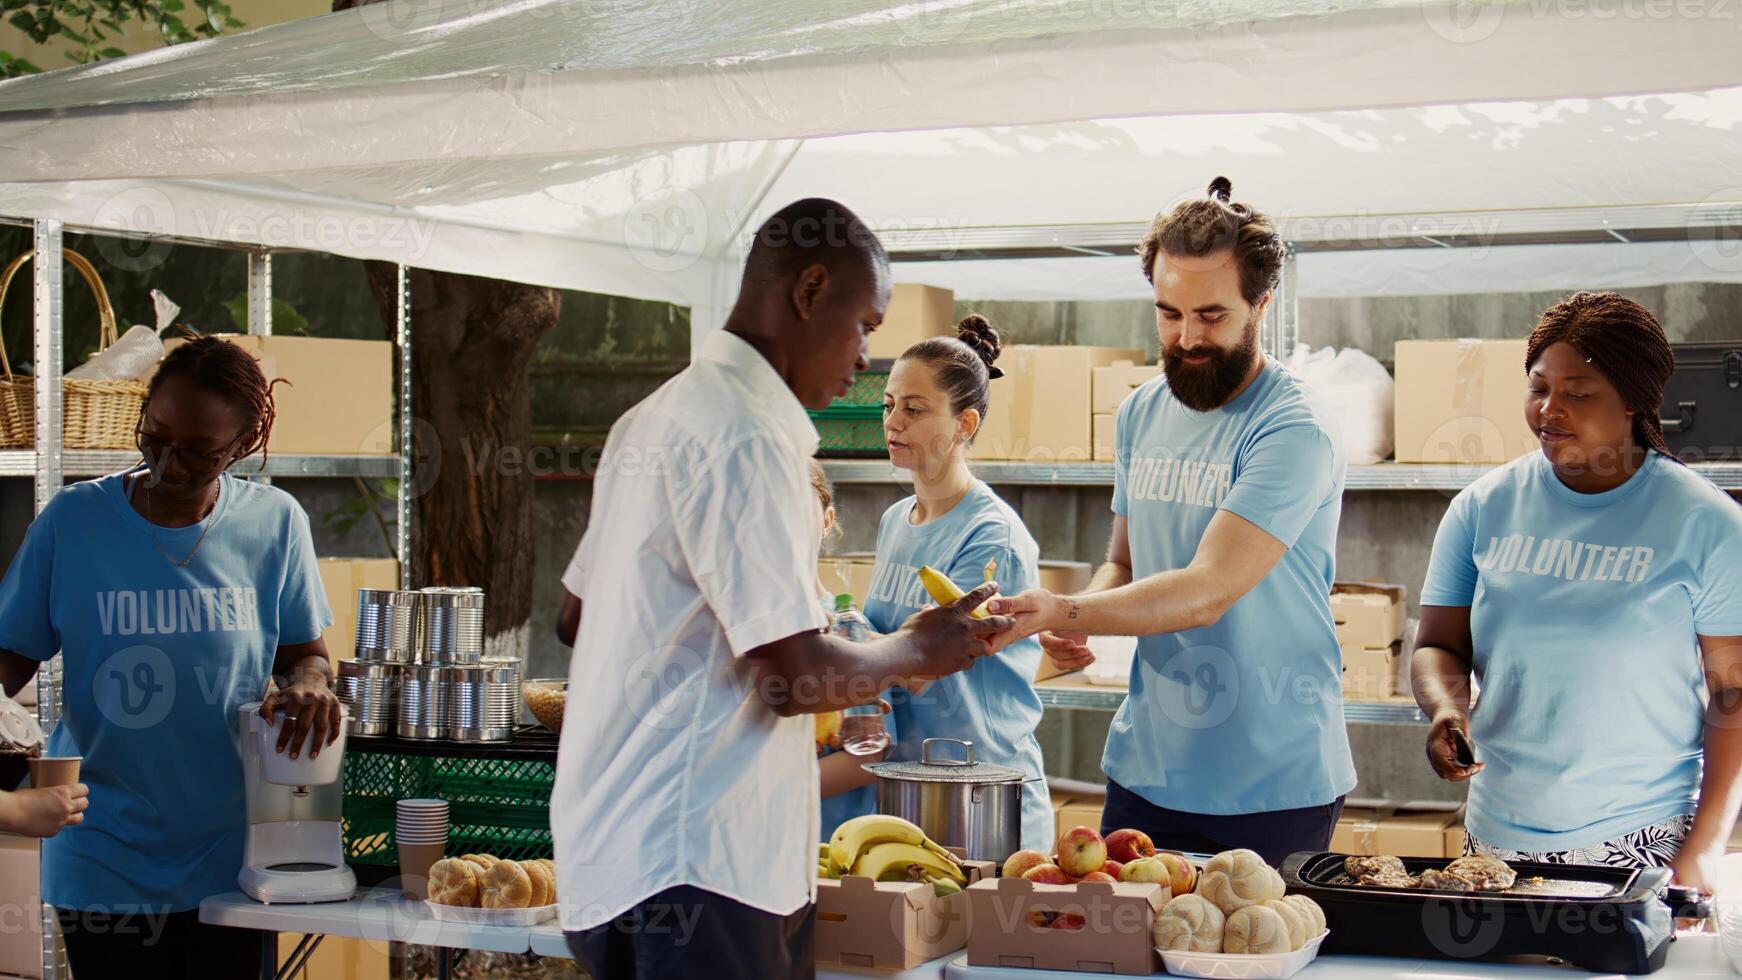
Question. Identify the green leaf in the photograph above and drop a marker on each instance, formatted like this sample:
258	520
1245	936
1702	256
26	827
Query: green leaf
172	6
112	53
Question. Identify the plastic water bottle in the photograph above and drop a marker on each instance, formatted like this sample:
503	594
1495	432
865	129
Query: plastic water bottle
862	731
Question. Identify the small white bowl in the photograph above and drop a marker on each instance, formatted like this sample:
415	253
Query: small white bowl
1242	966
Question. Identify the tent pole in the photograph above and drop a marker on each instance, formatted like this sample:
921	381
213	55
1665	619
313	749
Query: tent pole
402	334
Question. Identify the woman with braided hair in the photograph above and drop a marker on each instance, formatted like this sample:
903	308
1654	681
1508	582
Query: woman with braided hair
174	592
1594	590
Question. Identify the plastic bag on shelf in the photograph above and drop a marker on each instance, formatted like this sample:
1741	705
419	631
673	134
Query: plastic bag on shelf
1359	393
134	357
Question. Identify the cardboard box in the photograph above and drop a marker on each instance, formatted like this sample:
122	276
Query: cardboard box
889	925
1061	578
338	958
846	574
915	313
1370	673
1115	382
342	577
1078	810
1104	445
1455	839
1040	410
1095	927
1461	401
20	897
1362	830
1368	614
339	399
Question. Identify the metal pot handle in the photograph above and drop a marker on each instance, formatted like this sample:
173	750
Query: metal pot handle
925	752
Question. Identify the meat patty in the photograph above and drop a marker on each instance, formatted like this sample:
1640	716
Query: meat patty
1445	881
1379	871
1486	873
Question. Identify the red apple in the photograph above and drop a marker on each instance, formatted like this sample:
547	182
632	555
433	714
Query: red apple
1148	869
1017	865
1069	920
1041	920
1098	876
1081	851
1128	845
1047	874
1182	874
1112	868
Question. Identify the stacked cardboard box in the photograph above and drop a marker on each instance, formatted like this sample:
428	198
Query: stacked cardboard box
338	399
1077	810
1403	833
1461	401
1369	621
1112	385
915	313
1042	410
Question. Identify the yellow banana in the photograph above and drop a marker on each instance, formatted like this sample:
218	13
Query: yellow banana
942	590
827	870
943	886
897	861
851	839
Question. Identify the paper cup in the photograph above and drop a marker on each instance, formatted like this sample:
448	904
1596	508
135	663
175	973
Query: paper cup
55	771
415	861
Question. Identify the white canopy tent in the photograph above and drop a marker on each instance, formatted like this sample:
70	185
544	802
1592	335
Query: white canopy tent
629	148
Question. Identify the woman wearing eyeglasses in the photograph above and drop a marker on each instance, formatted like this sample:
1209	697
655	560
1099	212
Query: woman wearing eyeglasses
173	591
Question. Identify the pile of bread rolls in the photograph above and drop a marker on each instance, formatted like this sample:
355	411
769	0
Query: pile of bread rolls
1238	907
484	881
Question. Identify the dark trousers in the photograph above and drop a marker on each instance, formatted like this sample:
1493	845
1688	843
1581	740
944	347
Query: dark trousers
149	945
685	932
1274	835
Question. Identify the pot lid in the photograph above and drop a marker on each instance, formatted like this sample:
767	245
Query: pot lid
934	767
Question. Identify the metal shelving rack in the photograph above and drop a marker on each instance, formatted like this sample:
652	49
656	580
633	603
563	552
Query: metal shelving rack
49	463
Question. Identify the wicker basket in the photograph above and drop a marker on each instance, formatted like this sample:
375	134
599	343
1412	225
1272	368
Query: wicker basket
98	414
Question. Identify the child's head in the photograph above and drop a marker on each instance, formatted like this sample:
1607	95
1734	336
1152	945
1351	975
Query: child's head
825	497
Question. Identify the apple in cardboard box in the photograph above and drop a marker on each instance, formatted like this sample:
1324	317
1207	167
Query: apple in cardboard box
1049	874
1151	870
1099	876
1112	867
1128	845
1183	875
1020	863
1081	851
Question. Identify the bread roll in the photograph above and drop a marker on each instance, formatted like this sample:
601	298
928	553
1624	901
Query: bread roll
543	889
506	886
1294	919
550	866
483	861
1255	929
454	881
1235	879
1190	923
1315	916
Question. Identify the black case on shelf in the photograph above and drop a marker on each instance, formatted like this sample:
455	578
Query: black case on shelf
1702	403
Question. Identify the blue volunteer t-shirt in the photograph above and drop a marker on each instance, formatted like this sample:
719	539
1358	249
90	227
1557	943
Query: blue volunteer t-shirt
992	703
156	662
1584	613
1245	716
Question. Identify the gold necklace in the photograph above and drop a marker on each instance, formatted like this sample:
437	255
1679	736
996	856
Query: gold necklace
145	492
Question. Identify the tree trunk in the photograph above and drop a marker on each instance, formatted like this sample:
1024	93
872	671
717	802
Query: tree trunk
471	341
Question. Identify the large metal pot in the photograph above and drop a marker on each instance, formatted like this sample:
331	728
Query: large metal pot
976	806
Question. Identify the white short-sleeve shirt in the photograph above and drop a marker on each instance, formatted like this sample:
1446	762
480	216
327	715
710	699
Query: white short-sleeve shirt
701	547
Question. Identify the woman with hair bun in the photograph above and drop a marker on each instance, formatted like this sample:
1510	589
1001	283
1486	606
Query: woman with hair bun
1595	591
933	405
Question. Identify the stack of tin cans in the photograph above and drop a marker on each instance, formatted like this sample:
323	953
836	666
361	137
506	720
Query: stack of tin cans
419	669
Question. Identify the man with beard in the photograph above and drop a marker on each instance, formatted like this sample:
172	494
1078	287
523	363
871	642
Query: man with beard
1227	490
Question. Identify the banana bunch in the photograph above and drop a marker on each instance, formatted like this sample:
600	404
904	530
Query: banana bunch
887	848
942	590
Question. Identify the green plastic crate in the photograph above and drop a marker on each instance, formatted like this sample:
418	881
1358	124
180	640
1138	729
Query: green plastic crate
495	806
853	424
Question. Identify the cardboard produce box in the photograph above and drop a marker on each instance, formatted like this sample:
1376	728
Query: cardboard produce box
339	399
1362	830
1115	382
915	313
891	925
1105	447
1371	673
1093	927
1040	410
1061	578
1368	614
342	577
20	895
1461	401
848	573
